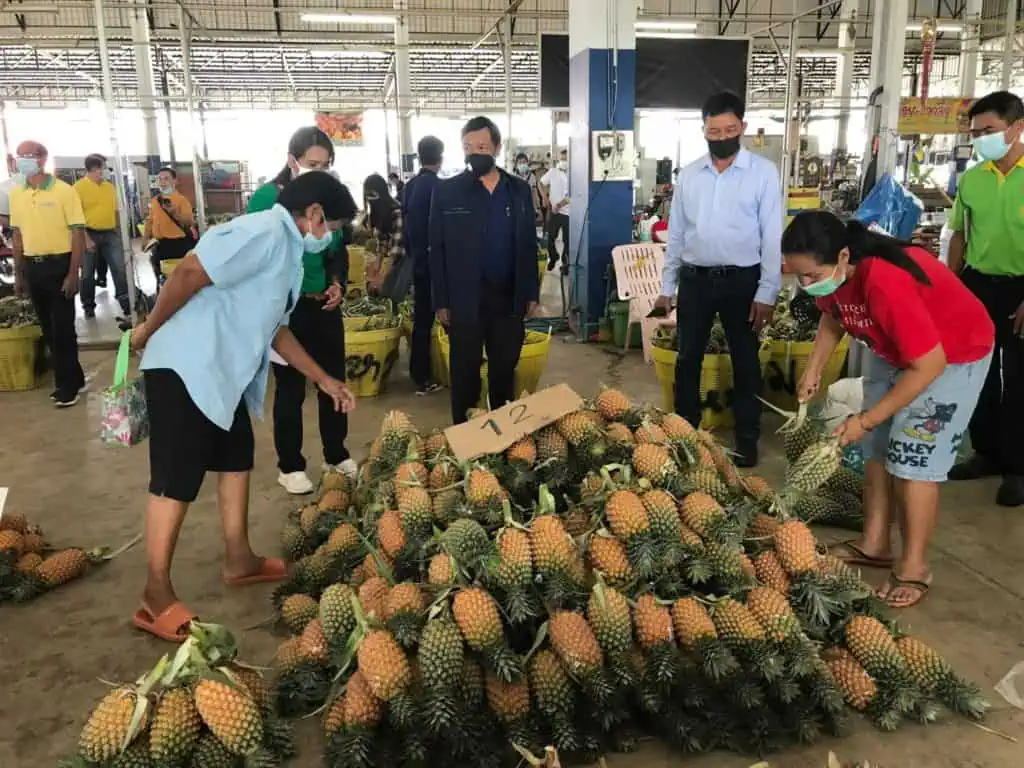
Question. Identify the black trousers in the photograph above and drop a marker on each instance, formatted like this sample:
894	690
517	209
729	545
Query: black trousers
422	325
501	333
999	416
558	224
56	312
322	334
727	292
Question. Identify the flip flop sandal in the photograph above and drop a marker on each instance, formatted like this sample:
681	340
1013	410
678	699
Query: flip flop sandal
894	582
272	569
859	556
172	625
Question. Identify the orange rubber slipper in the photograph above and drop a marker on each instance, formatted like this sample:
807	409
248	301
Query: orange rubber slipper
172	625
272	569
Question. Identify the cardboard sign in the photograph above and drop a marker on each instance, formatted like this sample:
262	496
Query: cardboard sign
495	431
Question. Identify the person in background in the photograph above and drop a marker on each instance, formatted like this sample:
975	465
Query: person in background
525	171
483	269
396	183
315	321
49	240
556	185
103	240
170	222
416	214
385	221
723	259
206	363
14	179
987	250
929	346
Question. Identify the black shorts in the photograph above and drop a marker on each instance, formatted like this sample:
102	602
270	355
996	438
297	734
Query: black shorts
184	444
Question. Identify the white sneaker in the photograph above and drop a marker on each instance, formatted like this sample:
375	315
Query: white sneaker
296	483
348	468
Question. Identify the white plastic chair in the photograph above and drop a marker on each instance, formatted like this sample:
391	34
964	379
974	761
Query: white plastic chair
638	277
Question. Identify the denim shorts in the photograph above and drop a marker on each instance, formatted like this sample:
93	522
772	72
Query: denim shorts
921	441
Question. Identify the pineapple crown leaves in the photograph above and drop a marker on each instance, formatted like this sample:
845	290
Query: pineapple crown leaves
538	641
383	569
545	501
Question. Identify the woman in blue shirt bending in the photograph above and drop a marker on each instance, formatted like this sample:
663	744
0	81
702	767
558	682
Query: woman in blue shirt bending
207	358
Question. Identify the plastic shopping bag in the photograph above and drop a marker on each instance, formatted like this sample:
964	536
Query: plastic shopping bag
125	420
891	207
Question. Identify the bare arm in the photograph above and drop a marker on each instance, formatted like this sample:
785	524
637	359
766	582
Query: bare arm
911	383
830	333
289	348
77	249
957	251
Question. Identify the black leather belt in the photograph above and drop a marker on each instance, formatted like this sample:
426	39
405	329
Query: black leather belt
718	271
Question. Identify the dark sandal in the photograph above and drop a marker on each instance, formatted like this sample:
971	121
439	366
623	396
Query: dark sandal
859	557
895	582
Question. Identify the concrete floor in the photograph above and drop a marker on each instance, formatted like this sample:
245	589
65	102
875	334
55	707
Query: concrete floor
53	650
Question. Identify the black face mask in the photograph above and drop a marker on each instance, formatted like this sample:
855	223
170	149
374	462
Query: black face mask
724	148
480	164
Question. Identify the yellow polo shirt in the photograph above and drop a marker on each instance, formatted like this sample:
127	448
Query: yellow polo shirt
989	210
99	203
46	216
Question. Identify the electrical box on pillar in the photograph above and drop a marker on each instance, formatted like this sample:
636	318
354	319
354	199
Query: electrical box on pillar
613	156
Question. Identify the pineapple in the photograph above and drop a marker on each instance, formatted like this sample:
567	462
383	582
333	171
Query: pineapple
33	543
757	488
28	562
653	623
707	480
482	489
619	436
742	633
174	729
441	570
696	632
442	475
411	473
649	432
12	541
612	404
935	676
403	612
720	460
477	615
608	555
769	571
343	541
704	515
798	436
440	655
372	593
795	547
396	431
252	682
609	616
391	533
435	445
815	508
815	466
231	715
293	541
333	500
108	726
336	613
333	480
210	753
555	558
444	504
135	756
577	520
362	708
763	526
416	509
654	462
626	514
313	644
308	518
14	521
858	688
873	646
514	573
297	611
575	643
522	452
510	701
774	614
467	542
555	696
551	445
726	563
63	566
679	430
288	657
385	666
845	480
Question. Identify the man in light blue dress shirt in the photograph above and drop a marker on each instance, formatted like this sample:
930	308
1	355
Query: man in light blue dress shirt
724	259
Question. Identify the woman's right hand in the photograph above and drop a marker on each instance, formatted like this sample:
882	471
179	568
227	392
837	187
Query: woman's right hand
809	385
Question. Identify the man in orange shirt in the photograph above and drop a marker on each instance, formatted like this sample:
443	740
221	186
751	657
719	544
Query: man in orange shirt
170	222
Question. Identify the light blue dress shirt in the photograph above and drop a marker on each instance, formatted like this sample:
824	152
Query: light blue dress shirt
219	341
733	219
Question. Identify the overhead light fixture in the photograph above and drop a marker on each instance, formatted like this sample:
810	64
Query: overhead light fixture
347	18
320	53
668	35
813	54
938	28
667	26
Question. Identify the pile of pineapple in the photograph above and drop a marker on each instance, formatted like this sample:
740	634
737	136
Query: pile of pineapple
29	567
610	576
17	312
200	709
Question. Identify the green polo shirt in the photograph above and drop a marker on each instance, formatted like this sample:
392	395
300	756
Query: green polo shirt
314	275
989	209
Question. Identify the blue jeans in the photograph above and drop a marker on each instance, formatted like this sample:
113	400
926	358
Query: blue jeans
107	244
921	441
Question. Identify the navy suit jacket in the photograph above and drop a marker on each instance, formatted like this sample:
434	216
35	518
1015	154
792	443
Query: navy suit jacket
419	191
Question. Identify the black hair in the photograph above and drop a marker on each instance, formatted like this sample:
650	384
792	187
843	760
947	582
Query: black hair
481	123
723	103
168	169
823	235
92	162
382	210
301	142
430	150
1007	105
318	187
522	156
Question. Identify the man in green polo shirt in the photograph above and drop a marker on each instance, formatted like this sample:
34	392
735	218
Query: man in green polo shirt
987	250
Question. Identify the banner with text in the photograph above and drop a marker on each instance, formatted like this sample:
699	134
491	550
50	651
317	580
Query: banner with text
935	115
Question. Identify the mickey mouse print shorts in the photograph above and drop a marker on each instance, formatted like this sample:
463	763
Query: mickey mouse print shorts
921	441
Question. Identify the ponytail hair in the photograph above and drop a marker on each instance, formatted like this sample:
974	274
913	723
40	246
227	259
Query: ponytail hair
823	235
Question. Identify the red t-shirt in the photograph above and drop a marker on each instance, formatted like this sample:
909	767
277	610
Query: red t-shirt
901	319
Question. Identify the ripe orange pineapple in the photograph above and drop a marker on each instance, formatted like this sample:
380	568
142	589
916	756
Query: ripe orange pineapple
174	729
649	432
653	623
553	550
858	687
774	613
371	595
411	473
415	509
796	547
14	521
757	487
297	611
575	643
483	489
608	615
442	475
384	664
613	404
619	434
763	526
769	571
678	429
62	567
654	463
11	540
344	538
441	570
288	656
231	715
509	701
313	642
626	514
477	615
361	709
607	555
523	451
334	500
28	562
702	513
108	725
391	533
403	598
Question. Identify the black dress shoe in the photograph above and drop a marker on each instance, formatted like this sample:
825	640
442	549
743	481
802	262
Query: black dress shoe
746	457
974	468
1011	492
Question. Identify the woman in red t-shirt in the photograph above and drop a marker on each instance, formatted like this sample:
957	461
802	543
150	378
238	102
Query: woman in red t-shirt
929	348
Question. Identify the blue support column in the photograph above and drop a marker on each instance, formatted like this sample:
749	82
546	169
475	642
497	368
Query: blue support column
602	86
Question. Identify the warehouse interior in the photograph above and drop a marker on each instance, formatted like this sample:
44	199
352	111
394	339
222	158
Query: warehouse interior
215	88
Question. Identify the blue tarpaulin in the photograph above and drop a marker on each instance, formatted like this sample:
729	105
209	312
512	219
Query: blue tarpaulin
891	207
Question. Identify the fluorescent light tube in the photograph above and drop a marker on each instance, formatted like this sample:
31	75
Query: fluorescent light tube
668	35
346	18
668	26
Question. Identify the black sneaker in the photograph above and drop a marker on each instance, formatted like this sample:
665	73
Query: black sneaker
1011	492
551	264
428	389
974	468
746	457
63	400
101	283
90	313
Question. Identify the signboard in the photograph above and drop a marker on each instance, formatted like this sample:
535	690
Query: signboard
495	431
344	128
937	115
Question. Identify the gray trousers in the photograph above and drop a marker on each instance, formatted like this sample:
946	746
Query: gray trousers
107	244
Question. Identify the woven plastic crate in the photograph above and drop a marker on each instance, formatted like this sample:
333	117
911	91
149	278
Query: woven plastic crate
18	358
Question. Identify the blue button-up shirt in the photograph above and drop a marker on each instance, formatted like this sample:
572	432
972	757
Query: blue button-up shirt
219	341
732	218
498	265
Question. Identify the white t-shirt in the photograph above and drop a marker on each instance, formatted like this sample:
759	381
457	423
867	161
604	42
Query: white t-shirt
557	183
5	192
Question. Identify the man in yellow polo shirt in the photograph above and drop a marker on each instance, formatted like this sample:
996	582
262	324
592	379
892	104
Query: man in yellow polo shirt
988	251
103	246
49	239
